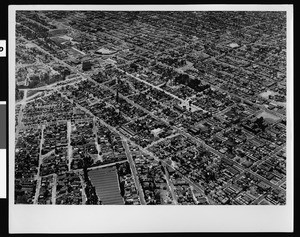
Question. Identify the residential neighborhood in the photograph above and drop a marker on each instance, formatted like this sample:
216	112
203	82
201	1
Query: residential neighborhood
150	108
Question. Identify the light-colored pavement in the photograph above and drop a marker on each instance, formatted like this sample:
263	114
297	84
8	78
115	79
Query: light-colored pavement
134	173
197	140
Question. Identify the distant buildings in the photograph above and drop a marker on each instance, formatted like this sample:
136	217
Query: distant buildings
199	97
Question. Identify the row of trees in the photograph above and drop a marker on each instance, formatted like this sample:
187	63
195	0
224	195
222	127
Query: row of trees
90	191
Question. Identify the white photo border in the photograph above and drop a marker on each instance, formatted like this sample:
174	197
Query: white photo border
142	219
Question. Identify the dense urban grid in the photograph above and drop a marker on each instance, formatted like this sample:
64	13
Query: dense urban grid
150	108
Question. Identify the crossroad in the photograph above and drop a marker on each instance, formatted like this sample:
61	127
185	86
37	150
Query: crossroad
198	141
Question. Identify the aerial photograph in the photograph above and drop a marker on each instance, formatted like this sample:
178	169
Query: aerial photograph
150	107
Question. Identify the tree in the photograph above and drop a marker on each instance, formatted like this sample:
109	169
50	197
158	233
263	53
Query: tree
122	186
46	194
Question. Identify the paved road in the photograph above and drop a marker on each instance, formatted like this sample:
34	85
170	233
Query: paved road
37	190
199	141
259	199
83	195
101	166
134	172
53	197
69	154
34	21
170	185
